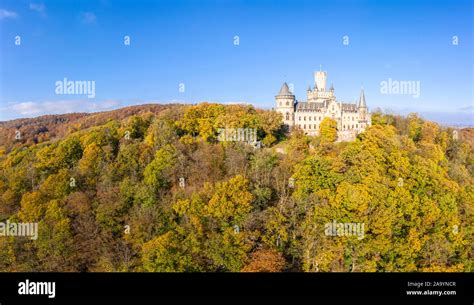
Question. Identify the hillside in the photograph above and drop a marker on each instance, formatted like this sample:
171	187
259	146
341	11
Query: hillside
154	188
50	127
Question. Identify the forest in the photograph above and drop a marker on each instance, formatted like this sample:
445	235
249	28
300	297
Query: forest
151	188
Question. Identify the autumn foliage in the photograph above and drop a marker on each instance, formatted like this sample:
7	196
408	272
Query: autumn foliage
150	188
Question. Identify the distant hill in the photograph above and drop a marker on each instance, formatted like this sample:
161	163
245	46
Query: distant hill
50	127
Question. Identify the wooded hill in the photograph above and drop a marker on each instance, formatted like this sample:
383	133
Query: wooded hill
150	188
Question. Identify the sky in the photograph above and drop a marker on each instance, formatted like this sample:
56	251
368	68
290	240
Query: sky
236	51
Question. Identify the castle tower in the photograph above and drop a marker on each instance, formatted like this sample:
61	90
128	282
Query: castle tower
320	80
363	111
285	102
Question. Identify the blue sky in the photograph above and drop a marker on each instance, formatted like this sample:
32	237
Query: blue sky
192	43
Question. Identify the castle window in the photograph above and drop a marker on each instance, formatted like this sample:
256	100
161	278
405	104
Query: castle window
287	103
309	126
344	127
315	126
320	118
357	125
309	118
352	118
287	116
299	118
280	104
304	126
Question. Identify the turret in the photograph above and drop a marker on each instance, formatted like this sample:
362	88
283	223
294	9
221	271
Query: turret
285	102
364	118
362	103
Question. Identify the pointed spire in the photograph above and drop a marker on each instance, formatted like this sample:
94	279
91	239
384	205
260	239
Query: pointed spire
332	87
362	103
309	88
285	90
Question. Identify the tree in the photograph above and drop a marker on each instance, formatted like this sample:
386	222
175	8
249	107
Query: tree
137	127
160	133
315	174
202	120
328	130
265	260
414	126
92	163
69	152
429	131
157	173
231	201
54	243
168	253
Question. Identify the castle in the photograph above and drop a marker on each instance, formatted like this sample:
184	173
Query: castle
351	118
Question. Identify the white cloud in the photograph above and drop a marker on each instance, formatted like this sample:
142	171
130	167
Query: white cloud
33	109
39	8
4	14
467	108
25	108
88	17
236	103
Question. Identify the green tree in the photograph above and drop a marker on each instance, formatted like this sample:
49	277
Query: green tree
157	173
328	130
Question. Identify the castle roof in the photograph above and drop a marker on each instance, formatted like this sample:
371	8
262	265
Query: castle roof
318	106
309	106
285	90
348	107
